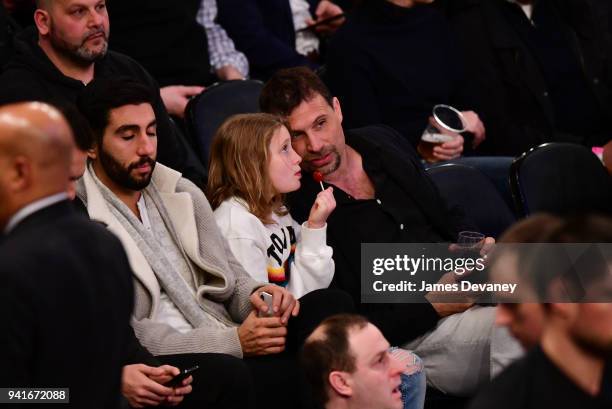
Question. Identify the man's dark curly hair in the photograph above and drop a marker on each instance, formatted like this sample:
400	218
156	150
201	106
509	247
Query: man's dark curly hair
290	87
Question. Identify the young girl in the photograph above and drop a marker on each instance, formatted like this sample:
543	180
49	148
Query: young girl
252	166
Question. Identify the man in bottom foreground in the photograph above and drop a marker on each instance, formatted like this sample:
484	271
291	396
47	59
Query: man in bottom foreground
348	363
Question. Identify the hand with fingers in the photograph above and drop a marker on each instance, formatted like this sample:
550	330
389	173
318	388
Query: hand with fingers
284	304
324	204
474	125
228	73
143	385
325	10
262	335
176	97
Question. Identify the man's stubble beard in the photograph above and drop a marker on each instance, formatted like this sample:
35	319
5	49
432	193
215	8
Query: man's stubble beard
122	176
80	55
327	169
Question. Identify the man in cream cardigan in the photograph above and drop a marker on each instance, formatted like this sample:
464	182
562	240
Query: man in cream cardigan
191	295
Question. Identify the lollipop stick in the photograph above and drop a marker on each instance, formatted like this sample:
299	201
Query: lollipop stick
318	177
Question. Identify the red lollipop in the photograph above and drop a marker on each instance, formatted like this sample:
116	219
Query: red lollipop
318	177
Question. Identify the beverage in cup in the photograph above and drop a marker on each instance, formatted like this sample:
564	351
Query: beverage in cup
445	124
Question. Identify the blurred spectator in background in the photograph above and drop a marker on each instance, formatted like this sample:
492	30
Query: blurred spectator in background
537	71
66	50
571	366
266	31
179	43
525	320
228	63
66	294
392	62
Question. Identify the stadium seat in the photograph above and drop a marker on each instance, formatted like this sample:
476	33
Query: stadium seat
467	187
560	178
206	112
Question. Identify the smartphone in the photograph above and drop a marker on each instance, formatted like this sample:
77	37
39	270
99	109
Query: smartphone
267	298
322	22
178	379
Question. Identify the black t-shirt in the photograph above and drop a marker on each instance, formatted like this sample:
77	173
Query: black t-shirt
535	382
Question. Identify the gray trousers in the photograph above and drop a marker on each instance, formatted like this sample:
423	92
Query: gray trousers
465	351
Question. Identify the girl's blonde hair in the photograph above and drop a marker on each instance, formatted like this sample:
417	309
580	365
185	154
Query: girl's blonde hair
238	165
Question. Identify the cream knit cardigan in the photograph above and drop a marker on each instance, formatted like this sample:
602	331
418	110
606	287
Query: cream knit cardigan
225	286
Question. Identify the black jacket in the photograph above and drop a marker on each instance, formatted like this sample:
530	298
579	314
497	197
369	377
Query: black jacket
31	76
507	83
391	65
263	30
65	306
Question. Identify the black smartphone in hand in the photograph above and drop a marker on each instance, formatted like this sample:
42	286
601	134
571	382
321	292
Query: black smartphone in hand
178	379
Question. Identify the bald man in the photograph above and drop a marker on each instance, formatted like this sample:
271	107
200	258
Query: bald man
66	292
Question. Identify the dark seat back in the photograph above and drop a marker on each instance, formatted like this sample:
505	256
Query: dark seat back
560	178
467	187
206	112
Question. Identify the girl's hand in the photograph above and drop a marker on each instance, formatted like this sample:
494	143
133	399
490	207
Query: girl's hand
324	204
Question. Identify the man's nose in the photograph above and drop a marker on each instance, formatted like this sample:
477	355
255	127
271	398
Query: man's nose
314	143
146	147
96	18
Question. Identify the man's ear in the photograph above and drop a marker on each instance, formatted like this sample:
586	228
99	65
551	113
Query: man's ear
340	382
565	310
20	174
42	21
93	152
337	108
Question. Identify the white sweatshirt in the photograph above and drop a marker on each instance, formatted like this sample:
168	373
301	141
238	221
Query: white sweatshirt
282	253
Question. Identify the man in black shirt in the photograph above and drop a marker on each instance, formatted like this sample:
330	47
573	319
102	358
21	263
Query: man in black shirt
65	52
383	196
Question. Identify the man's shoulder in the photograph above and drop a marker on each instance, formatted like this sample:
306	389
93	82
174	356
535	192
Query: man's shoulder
367	131
235	220
382	137
57	239
20	82
118	64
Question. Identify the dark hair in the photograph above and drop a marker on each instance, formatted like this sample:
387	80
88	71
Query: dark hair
579	274
101	96
329	352
83	135
290	87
